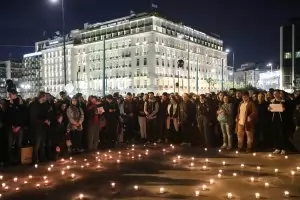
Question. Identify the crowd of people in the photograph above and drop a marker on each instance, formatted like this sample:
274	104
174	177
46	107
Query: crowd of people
243	120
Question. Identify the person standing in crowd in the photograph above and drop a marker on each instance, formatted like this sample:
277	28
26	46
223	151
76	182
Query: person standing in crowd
203	120
280	142
225	119
129	117
172	121
111	114
40	125
93	124
187	119
161	117
15	122
75	127
142	116
151	108
261	135
245	122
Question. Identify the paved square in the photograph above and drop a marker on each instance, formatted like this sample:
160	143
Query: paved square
157	172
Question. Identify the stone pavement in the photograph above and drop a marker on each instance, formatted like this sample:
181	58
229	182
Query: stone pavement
157	172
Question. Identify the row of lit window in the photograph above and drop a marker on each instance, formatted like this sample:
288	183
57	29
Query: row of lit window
288	55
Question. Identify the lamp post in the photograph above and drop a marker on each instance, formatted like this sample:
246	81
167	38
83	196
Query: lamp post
229	51
64	37
104	68
270	65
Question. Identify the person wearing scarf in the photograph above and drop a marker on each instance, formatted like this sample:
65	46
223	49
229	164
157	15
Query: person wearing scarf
76	116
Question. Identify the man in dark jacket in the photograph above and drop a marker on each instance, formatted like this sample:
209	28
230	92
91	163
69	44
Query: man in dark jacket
129	117
187	119
40	125
15	121
162	117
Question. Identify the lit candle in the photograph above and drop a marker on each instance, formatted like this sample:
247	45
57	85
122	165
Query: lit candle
242	166
161	190
49	169
220	150
154	144
220	171
98	166
293	173
25	182
276	170
132	157
270	155
53	165
37	185
62	160
113	184
30	177
72	176
63	172
234	174
87	164
204	187
0	195
17	189
128	154
204	167
286	157
1	177
3	185
286	193
118	161
219	175
46	182
193	158
179	157
229	195
6	188
191	164
119	152
164	150
205	149
45	177
140	155
211	181
236	152
109	151
110	157
252	179
74	161
224	163
254	154
85	160
298	169
206	160
174	161
81	196
258	168
36	166
15	179
82	166
257	195
267	184
136	187
68	167
197	193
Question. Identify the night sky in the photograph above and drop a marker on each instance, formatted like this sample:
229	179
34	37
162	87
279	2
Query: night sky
249	27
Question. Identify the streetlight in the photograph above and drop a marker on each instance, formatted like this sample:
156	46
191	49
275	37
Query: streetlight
63	35
270	65
228	51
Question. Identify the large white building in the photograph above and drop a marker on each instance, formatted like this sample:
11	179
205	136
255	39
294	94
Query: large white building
141	54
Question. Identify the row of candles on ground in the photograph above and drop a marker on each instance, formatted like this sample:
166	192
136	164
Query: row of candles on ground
204	167
72	176
197	193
